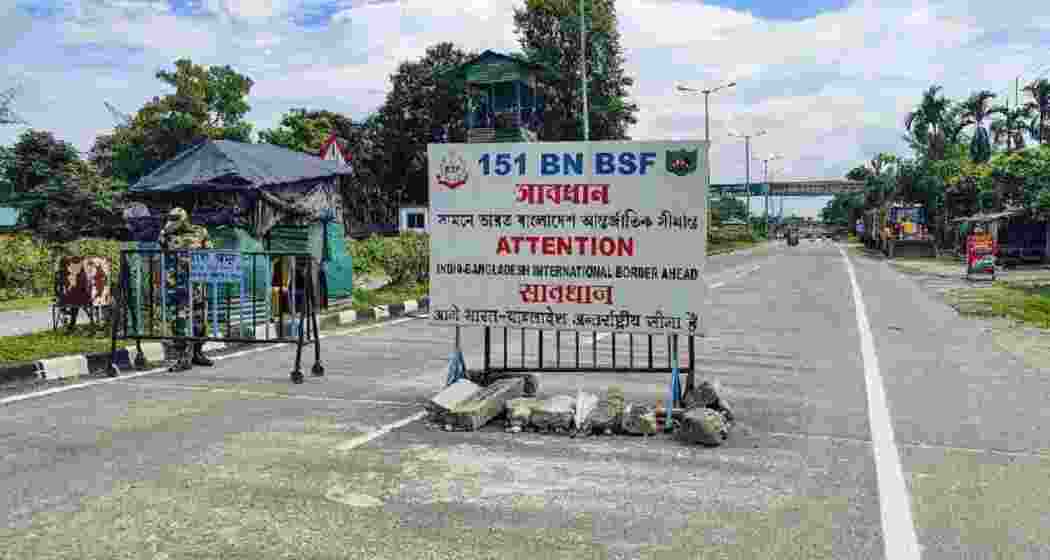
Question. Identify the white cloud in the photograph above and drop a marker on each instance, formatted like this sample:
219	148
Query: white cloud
829	88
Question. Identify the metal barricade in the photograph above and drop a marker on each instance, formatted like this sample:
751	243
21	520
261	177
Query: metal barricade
570	355
248	298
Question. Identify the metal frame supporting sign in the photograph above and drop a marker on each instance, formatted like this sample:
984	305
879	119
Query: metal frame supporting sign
570	236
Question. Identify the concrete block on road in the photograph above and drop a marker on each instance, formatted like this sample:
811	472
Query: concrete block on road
485	405
411	306
452	396
555	413
381	312
519	411
65	367
584	409
704	426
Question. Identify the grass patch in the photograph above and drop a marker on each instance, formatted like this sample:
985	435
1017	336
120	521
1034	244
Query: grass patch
1027	304
387	295
83	339
22	304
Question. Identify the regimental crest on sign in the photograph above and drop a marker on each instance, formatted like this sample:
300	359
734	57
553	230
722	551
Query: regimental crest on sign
452	171
682	162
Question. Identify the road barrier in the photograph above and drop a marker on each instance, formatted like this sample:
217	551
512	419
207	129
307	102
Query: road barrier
249	298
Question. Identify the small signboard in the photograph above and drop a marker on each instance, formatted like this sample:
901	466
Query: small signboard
216	267
980	256
586	236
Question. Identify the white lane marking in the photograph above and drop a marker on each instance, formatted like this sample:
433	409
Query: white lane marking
359	441
898	528
717	285
125	377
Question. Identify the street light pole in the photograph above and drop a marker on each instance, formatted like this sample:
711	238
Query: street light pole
747	151
707	138
765	162
583	75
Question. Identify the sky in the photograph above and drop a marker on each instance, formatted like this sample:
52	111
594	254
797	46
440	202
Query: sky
829	80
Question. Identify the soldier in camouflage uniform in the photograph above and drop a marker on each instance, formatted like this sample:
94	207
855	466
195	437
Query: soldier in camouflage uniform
179	233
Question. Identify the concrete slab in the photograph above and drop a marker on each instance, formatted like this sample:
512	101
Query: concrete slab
452	396
485	405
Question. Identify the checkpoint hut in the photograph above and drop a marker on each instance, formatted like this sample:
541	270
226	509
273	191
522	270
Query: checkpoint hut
504	97
254	197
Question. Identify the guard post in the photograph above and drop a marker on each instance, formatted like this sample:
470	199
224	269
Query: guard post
244	304
566	240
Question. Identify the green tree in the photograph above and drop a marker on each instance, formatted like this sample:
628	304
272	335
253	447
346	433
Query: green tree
305	131
35	159
843	209
549	33
1022	176
1009	128
420	101
76	202
975	110
1040	106
208	102
926	124
726	208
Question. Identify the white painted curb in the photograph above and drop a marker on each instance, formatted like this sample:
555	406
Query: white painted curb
411	306
64	367
153	351
347	317
381	312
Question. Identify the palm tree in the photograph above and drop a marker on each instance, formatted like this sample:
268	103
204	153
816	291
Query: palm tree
974	110
1040	105
926	122
1010	128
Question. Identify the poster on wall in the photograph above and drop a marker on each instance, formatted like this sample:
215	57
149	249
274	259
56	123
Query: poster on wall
592	236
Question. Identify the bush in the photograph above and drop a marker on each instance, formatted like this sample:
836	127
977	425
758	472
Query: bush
27	266
405	258
366	255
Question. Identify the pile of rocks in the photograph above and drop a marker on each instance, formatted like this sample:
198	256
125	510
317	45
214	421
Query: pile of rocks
705	419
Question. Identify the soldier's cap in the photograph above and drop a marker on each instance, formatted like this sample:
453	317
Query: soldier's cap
177	214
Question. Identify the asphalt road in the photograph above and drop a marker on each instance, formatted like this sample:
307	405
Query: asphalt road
234	462
27	321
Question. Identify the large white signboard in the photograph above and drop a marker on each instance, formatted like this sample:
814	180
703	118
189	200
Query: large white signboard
591	236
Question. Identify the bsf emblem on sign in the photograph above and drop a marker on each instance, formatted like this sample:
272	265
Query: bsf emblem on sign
452	172
682	162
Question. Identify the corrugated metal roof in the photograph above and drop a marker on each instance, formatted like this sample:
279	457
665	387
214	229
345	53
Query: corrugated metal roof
227	165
